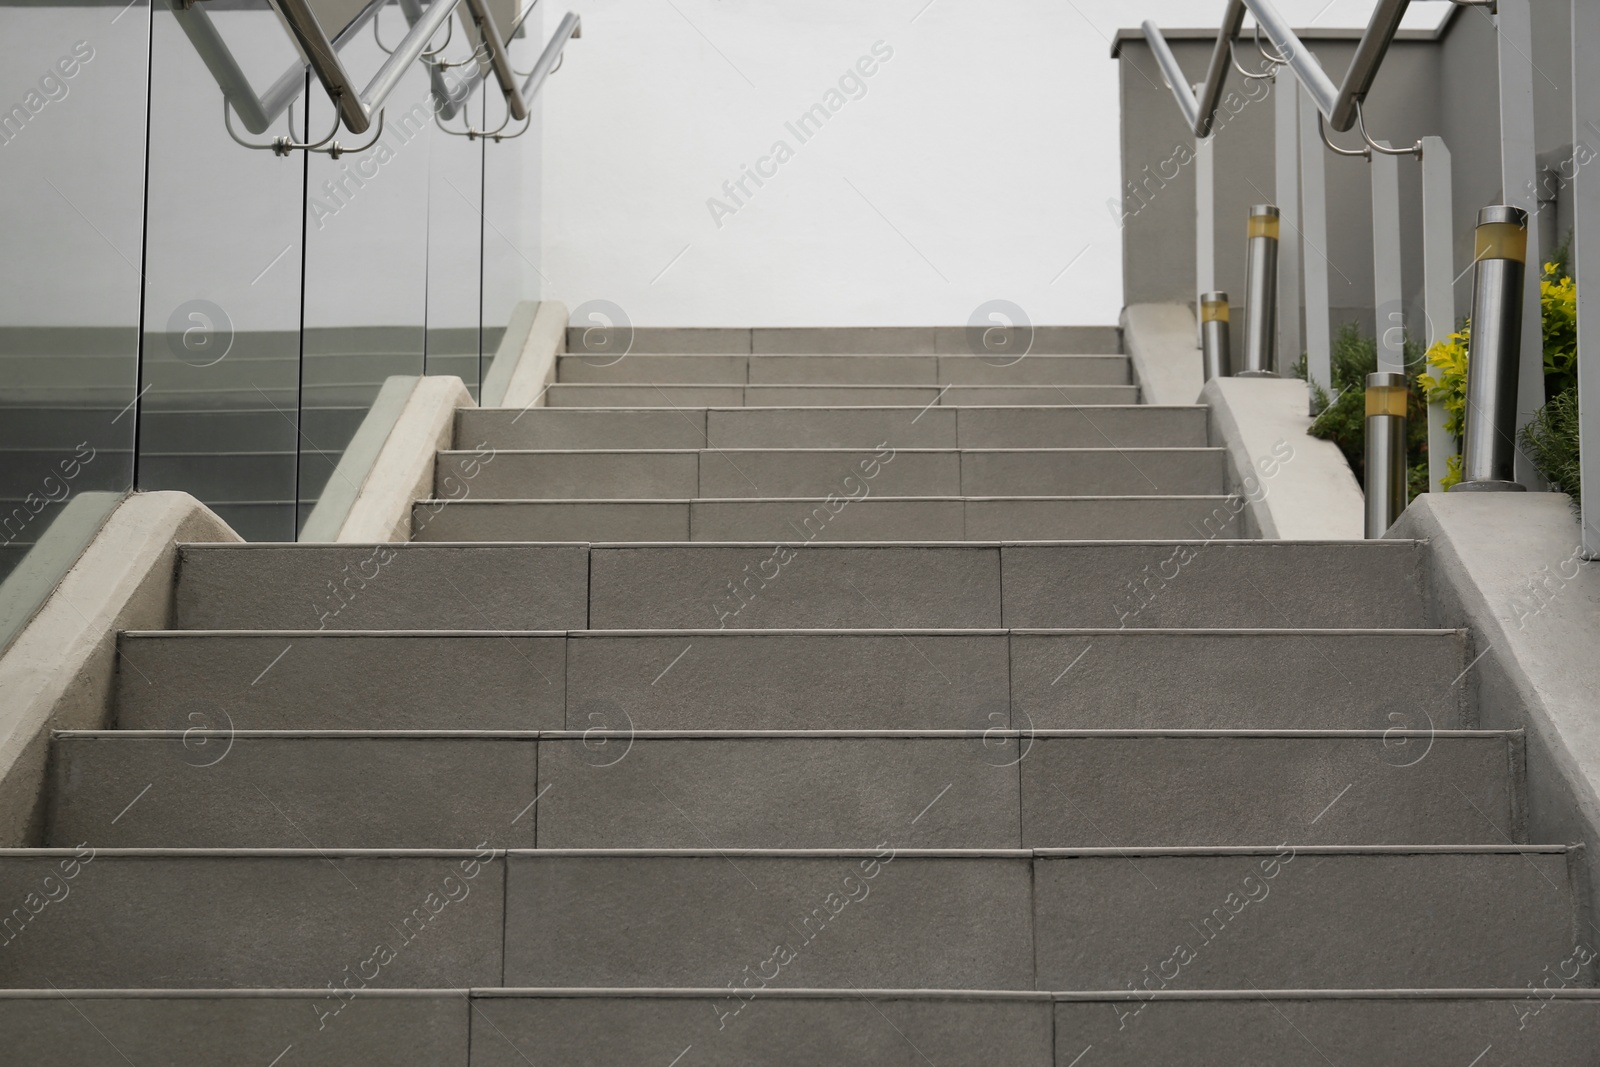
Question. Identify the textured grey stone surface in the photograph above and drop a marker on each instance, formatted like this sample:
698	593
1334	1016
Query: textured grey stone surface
1284	680
208	921
1035	395
74	1030
1344	920
544	427
574	475
844	369
652	367
939	923
864	519
1034	369
552	520
330	680
1276	584
1313	1032
770	792
1089	517
254	792
845	1029
1092	472
898	427
730	472
581	395
798	396
795	585
788	681
659	339
846	339
1389	789
465	587
1082	427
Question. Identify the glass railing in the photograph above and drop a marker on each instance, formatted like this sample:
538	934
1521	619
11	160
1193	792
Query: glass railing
182	312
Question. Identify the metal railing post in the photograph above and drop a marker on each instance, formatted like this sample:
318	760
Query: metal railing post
1205	221
1389	323
1385	453
1314	233
1286	152
1518	177
1214	334
1438	288
1586	265
1261	298
1488	454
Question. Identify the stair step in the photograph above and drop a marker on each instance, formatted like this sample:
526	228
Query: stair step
956	340
292	918
644	395
1410	916
639	789
688	585
848	1027
1069	584
303	1028
1329	918
841	516
793	680
353	587
245	789
732	473
843	369
1054	426
1295	1028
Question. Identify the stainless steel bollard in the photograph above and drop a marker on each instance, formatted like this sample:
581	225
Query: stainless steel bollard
1214	334
1488	442
1387	396
1261	293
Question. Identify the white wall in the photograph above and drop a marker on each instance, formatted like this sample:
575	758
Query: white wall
976	166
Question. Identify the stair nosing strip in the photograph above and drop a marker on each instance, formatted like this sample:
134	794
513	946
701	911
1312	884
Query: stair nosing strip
769	735
1111	852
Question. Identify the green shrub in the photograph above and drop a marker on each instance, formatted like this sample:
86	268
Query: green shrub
1551	439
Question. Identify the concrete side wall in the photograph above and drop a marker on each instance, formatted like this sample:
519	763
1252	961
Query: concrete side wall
60	673
1506	565
1296	487
403	471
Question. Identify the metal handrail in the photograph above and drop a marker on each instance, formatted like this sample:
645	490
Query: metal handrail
517	100
257	113
1198	112
358	109
1338	104
571	26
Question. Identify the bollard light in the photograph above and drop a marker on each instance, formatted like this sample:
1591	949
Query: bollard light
1488	441
1387	397
1214	334
1261	293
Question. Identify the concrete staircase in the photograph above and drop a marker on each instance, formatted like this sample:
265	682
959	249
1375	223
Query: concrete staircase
885	707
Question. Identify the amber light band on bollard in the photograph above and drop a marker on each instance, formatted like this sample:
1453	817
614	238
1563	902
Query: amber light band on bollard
1261	293
1488	440
1214	334
1387	397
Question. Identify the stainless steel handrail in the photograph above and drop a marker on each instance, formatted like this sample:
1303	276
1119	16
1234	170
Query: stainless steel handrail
257	113
1338	104
448	100
571	26
1198	112
358	109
